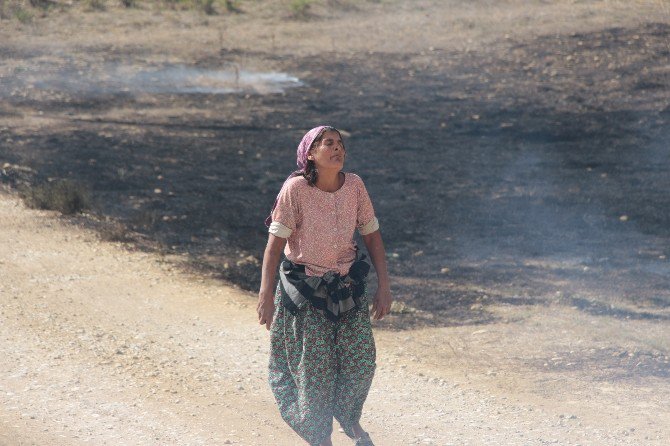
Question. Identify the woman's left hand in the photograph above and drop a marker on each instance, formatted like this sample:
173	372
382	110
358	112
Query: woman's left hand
381	305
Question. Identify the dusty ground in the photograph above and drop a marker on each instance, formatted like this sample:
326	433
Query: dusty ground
106	346
517	156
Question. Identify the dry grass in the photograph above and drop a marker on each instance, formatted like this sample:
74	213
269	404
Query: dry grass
26	10
300	9
64	196
114	232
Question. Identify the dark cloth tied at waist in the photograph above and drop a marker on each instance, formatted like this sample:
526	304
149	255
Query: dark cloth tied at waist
331	293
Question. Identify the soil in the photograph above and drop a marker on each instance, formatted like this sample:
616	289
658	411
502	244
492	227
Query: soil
517	156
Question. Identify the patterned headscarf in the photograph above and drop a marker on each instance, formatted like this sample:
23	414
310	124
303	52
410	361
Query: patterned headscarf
306	143
301	158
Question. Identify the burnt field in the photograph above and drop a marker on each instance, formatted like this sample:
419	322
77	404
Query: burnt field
530	172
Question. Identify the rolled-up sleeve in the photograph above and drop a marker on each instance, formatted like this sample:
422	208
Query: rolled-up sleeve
369	227
285	213
279	230
366	221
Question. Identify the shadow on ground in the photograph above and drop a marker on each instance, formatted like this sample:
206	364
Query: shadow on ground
500	177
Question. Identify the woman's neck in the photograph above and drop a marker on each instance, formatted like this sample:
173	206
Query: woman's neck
330	181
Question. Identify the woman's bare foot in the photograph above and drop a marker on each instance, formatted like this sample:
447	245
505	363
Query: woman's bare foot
358	430
362	437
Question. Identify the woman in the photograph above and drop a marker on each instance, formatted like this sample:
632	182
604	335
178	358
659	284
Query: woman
322	356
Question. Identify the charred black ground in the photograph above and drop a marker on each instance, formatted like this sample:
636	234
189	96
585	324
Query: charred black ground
535	171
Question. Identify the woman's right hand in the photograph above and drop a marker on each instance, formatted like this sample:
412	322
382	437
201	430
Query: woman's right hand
266	297
265	308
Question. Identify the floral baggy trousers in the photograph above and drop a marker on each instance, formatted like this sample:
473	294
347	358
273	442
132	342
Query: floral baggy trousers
321	369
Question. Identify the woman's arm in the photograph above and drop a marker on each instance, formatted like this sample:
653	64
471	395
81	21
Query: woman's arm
381	305
271	258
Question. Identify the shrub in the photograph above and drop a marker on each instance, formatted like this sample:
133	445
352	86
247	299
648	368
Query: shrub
64	196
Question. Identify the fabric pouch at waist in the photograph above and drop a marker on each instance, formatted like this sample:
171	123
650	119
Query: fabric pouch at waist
332	294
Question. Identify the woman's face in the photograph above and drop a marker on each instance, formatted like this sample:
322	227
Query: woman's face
329	153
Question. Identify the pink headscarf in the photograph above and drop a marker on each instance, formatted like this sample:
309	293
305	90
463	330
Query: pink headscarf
306	143
301	159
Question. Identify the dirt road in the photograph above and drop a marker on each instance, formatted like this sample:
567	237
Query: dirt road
105	346
517	156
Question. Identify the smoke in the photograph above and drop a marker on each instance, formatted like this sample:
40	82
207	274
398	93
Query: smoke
113	78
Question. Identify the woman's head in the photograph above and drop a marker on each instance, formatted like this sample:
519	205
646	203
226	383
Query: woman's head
310	141
320	140
322	146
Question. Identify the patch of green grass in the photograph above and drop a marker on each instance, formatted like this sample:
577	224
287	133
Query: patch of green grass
24	15
300	8
64	196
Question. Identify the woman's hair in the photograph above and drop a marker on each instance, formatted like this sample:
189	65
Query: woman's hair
310	173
